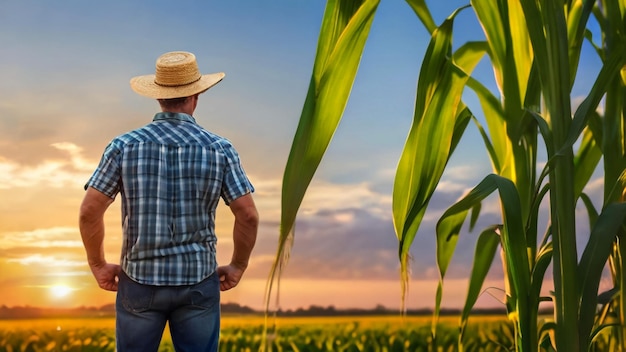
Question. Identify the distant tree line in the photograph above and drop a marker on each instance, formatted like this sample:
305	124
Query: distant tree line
28	312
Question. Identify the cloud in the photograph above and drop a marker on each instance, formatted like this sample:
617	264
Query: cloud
595	187
47	261
76	158
578	100
333	217
345	231
41	238
69	170
49	248
327	196
469	174
347	243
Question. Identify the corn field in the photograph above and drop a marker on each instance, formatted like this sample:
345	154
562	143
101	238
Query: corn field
387	333
313	334
534	48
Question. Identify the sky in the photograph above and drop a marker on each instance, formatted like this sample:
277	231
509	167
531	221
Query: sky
64	94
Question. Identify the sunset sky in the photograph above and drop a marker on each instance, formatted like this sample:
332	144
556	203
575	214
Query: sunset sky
64	94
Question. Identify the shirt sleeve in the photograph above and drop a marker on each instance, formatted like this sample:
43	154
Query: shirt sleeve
107	177
236	182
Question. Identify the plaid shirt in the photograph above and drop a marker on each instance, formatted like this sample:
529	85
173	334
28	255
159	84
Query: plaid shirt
171	174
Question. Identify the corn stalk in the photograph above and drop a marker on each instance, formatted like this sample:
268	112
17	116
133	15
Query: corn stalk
534	48
608	142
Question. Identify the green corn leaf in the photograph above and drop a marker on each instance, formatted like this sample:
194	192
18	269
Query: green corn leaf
522	54
493	26
449	225
423	13
618	189
593	260
512	131
484	255
545	330
469	54
608	72
334	72
442	115
440	119
586	161
577	18
474	215
505	28
512	236
544	258
591	209
344	31
596	47
497	144
531	225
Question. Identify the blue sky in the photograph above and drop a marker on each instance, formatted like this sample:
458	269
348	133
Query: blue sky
64	94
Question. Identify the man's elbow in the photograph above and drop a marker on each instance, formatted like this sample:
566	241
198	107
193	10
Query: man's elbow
93	207
250	217
87	219
246	214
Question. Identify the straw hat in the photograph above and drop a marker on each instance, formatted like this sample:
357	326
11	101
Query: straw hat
177	76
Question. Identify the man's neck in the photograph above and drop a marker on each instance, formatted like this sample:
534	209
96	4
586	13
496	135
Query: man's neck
188	107
180	110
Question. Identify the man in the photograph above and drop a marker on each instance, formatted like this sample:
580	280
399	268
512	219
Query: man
170	175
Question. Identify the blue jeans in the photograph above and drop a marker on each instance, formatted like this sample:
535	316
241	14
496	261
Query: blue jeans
193	313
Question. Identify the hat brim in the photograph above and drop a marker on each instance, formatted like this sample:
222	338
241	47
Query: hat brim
144	85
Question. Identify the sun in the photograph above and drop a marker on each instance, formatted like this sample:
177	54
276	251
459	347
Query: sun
60	290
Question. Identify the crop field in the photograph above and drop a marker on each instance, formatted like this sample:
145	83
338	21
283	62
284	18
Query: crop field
371	333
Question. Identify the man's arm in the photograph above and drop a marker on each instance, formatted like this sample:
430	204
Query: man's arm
244	238
91	224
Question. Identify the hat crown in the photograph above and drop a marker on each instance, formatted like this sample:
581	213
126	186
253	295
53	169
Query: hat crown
176	76
177	68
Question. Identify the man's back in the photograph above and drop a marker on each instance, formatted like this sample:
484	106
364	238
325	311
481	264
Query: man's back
173	173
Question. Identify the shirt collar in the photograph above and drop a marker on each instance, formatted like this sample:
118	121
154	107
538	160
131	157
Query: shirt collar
173	116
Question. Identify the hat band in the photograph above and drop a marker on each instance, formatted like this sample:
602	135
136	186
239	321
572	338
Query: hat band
177	85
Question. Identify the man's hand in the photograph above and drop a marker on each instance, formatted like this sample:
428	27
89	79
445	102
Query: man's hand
106	275
229	276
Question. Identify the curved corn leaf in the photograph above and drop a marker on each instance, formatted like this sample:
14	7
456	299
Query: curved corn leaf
450	223
438	124
544	258
577	18
606	228
608	72
498	145
586	160
591	209
546	332
513	132
532	222
505	28
422	12
512	236
344	31
485	253
335	68
474	215
618	190
614	134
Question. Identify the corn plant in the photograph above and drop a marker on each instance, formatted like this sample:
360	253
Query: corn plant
345	28
534	48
